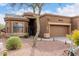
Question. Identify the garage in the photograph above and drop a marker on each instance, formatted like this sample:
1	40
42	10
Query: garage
58	30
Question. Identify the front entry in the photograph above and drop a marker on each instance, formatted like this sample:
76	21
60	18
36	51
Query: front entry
32	27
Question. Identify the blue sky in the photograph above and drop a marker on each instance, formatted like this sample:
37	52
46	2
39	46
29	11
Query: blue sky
65	9
5	8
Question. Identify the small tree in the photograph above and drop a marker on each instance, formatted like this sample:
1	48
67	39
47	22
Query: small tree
74	37
2	26
36	8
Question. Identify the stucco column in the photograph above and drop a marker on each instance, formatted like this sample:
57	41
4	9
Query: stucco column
70	29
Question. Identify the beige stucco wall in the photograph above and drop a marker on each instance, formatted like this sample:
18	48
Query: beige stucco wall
75	23
45	19
11	21
53	19
43	26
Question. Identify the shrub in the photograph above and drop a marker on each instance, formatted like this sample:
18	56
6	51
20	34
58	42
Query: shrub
74	37
26	35
14	42
13	34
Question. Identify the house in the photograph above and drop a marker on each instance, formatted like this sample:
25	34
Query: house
50	25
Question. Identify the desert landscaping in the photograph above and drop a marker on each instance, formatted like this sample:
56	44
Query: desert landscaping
43	48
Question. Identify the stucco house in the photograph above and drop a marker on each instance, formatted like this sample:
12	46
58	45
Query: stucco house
51	25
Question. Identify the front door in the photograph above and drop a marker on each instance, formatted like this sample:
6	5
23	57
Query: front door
32	27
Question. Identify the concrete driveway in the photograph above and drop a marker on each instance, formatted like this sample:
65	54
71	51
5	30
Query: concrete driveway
62	39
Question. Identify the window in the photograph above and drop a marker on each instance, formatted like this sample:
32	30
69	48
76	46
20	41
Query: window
18	27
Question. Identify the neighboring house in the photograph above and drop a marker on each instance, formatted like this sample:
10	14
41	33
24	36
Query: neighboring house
50	25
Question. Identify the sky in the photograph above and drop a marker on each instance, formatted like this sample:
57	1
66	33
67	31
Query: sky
64	9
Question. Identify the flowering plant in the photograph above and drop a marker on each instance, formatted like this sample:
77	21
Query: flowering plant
74	37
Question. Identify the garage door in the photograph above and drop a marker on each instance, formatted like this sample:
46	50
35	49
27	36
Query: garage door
58	30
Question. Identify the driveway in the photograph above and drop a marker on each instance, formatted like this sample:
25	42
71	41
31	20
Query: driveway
62	39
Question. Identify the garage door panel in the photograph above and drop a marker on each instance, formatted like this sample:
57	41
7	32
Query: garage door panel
58	30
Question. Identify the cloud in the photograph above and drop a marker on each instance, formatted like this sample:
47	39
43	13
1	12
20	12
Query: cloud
21	11
69	10
2	19
46	11
3	4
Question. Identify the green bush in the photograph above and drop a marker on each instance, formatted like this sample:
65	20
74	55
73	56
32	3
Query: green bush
14	42
26	35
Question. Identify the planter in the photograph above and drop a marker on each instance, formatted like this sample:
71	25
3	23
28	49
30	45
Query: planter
26	35
46	35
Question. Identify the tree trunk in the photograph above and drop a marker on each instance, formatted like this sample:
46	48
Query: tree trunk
36	36
37	30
